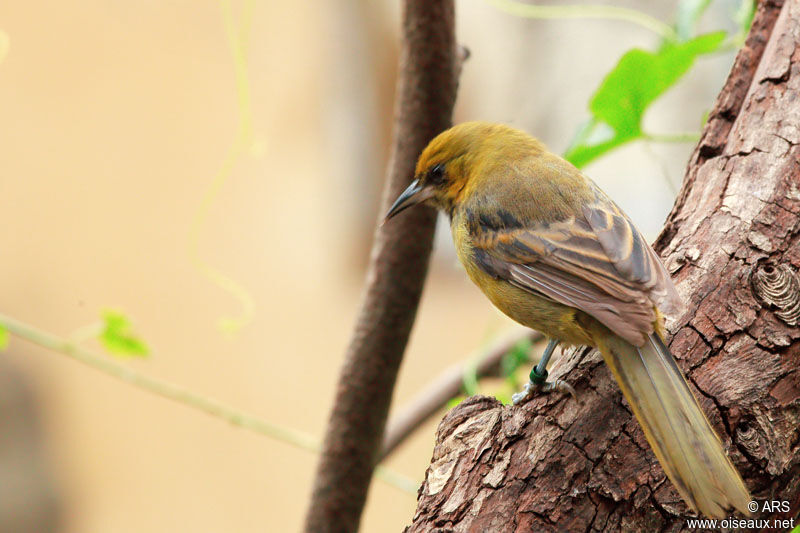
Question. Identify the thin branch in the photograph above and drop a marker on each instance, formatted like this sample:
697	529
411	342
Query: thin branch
426	94
586	12
183	396
447	385
160	388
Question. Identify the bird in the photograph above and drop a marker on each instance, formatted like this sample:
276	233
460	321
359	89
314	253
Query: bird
554	253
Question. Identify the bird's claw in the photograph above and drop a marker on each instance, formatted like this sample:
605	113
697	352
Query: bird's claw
538	379
561	386
531	388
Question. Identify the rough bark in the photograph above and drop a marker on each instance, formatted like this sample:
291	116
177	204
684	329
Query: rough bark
732	244
425	98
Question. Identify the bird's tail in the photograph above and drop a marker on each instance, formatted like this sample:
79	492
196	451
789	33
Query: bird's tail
676	428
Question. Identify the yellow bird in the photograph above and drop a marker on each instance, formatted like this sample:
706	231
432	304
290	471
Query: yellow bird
554	253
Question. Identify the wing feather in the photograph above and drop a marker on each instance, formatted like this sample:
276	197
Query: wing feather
598	263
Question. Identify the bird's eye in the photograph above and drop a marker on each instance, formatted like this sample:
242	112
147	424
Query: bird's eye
436	174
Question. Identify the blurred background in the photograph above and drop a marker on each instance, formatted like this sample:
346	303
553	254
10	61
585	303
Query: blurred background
131	162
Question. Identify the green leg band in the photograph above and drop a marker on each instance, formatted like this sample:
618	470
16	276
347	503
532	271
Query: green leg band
538	373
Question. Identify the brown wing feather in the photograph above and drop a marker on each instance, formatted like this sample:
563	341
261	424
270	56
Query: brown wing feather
632	257
630	320
598	263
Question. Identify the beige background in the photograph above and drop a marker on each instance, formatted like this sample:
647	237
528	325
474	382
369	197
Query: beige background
115	117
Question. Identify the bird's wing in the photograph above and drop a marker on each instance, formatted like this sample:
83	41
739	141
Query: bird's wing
597	262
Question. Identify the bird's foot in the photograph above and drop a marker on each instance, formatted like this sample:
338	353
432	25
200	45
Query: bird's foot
532	388
538	379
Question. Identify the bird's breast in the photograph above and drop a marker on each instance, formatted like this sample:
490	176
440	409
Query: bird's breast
527	308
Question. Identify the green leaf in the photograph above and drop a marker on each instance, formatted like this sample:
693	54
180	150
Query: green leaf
689	12
640	77
622	99
118	338
581	154
3	337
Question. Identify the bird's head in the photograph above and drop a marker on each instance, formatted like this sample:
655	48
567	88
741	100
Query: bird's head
455	161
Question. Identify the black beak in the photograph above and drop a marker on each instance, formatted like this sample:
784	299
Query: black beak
413	195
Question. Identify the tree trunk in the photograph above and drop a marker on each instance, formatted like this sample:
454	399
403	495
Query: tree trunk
732	246
426	93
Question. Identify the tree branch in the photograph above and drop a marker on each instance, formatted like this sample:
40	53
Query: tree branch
425	97
446	386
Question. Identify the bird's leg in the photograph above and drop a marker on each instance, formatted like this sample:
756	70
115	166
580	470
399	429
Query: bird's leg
538	379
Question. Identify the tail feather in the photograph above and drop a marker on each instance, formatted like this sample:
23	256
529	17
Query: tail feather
676	428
